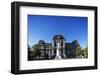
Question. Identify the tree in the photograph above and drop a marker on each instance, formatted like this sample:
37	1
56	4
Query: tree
35	51
29	53
85	52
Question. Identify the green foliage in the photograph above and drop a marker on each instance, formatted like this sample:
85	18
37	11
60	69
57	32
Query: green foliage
35	51
85	52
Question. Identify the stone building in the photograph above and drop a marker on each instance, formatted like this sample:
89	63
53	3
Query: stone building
66	50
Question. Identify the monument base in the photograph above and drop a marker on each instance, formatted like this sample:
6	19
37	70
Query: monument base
58	57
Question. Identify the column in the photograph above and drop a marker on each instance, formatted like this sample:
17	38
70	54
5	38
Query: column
52	52
64	48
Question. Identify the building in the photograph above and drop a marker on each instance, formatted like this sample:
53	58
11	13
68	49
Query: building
49	50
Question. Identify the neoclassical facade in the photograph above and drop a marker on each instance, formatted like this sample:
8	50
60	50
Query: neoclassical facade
51	50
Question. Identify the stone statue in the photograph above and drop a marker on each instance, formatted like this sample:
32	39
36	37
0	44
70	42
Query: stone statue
58	56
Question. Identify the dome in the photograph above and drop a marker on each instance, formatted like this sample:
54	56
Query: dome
41	42
75	42
58	37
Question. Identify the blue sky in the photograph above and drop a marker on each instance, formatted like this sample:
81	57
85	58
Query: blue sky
41	27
